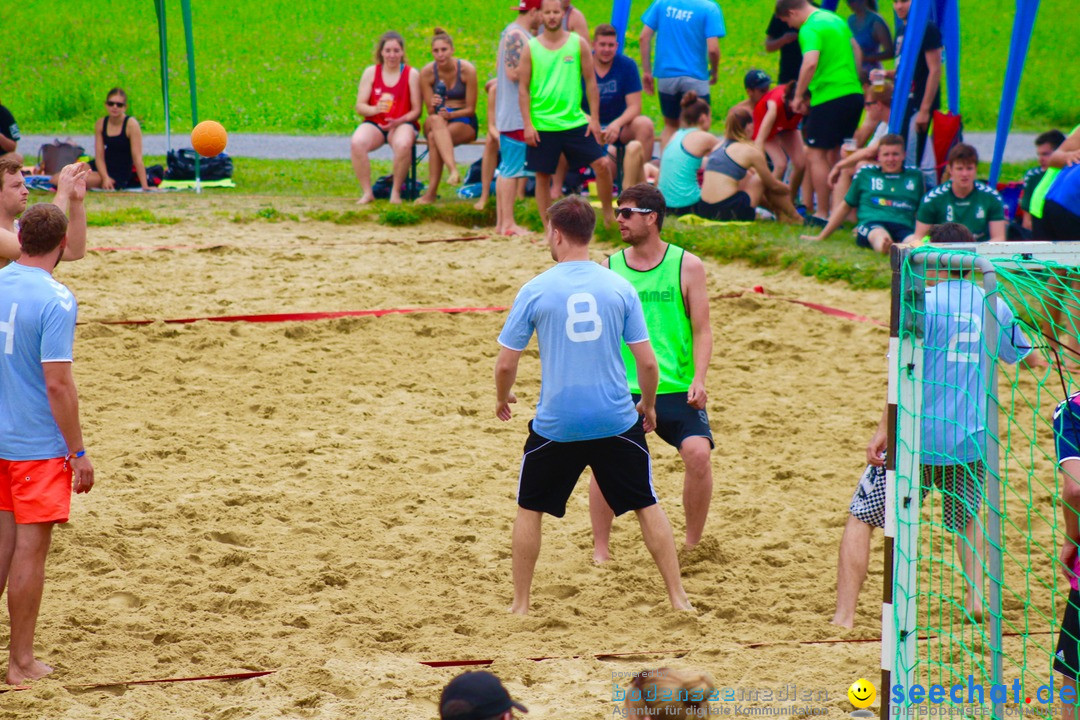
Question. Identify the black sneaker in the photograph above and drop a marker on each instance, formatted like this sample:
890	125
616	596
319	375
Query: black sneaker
814	221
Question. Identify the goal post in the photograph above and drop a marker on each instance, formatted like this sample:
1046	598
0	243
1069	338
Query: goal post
974	591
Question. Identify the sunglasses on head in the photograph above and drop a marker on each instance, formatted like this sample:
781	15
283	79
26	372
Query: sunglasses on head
115	103
627	213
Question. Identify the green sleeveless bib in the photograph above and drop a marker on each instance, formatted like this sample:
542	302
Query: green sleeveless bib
555	86
670	331
1038	195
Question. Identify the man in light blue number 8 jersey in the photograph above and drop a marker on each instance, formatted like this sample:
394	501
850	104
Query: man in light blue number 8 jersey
581	312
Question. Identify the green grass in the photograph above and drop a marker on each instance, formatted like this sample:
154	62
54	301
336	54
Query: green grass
125	216
273	66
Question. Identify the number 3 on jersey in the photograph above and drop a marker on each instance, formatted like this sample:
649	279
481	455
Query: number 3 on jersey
582	325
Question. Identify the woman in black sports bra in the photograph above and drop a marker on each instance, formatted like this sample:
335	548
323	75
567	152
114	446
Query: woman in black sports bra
117	162
737	178
449	88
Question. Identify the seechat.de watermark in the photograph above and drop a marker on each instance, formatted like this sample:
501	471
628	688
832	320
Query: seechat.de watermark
921	699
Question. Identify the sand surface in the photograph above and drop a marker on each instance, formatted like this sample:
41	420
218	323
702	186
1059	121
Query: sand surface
333	500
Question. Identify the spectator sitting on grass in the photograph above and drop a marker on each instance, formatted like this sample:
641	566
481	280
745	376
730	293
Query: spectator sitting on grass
682	156
9	135
388	99
776	132
757	84
1045	145
886	197
118	162
449	89
737	178
964	200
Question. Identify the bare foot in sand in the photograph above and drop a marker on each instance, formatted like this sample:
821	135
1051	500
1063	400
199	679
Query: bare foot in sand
600	556
19	674
513	230
395	199
425	199
681	603
365	199
523	610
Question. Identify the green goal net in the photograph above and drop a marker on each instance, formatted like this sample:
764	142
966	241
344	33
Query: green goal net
981	346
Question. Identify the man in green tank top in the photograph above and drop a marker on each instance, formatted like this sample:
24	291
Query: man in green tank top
553	66
671	285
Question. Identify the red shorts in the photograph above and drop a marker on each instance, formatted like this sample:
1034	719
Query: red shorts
37	491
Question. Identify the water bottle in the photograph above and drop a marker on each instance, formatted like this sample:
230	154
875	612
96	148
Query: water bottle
440	94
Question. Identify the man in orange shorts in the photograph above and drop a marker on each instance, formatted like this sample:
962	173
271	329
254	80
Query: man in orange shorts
42	458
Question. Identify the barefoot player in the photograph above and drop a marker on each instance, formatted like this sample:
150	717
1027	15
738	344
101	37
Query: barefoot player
553	66
671	285
581	313
42	458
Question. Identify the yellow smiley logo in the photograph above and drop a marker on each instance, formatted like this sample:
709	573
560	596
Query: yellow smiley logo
861	693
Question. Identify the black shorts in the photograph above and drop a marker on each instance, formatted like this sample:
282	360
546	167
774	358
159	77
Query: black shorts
896	231
832	122
1059	223
737	207
122	179
578	148
1067	658
676	421
621	464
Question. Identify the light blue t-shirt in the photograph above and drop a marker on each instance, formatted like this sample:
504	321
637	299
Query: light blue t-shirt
682	28
580	312
37	325
955	363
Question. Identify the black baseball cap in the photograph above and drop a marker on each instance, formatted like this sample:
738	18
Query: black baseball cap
475	696
757	80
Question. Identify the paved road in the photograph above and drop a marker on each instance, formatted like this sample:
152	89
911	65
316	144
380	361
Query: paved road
1020	147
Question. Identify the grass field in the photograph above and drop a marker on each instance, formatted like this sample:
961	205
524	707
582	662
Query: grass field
271	66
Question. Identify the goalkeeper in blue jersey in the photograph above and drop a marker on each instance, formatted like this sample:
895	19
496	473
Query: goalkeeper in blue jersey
953	426
1067	444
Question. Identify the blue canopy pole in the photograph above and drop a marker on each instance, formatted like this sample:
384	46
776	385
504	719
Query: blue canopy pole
950	35
620	18
1026	10
163	51
909	54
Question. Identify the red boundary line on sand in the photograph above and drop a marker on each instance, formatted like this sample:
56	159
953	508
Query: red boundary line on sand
92	686
298	317
835	312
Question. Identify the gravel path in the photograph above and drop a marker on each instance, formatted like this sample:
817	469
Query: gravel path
1020	147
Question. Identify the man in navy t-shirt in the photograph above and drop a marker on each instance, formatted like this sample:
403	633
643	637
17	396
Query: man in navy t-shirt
581	313
619	82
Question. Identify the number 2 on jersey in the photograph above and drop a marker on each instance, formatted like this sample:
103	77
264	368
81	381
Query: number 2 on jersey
589	318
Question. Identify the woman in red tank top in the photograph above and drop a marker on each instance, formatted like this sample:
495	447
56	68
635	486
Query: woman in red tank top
776	131
389	101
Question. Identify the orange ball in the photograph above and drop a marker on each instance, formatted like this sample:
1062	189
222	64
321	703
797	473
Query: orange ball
209	138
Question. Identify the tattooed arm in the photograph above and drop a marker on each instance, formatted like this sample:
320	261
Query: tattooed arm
515	42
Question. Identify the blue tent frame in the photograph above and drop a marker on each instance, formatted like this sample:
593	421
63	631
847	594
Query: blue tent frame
946	13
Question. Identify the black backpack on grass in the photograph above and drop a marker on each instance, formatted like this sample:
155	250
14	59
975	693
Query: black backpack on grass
410	190
181	166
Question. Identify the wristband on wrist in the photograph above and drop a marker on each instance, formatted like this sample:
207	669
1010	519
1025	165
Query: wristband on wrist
78	454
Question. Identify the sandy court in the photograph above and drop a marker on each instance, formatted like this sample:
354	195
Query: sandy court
333	499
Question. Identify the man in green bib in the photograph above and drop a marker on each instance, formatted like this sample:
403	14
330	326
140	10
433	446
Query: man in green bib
553	66
671	285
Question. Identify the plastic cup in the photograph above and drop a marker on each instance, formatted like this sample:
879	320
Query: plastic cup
877	80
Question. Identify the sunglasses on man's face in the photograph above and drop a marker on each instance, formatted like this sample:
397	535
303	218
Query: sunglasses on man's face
114	103
627	213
